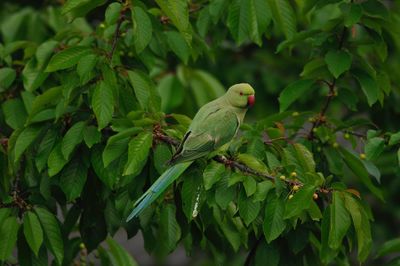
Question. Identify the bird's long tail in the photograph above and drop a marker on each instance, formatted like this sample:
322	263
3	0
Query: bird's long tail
158	187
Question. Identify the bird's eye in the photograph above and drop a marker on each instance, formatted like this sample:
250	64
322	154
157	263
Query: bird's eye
241	93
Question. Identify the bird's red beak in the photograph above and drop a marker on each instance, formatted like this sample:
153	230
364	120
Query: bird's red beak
251	99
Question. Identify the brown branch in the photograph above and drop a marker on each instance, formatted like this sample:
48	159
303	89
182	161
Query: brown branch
117	32
354	133
252	252
158	135
320	119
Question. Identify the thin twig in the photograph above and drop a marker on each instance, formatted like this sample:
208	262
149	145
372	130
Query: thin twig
117	33
331	85
252	252
354	133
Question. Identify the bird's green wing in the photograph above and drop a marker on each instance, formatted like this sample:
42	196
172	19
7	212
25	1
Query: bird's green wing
214	131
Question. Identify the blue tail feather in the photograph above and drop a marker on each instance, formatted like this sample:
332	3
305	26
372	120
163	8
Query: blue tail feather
158	187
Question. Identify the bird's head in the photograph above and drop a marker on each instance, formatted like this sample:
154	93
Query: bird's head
241	95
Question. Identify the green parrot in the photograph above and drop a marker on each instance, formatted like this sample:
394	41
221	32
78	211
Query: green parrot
214	125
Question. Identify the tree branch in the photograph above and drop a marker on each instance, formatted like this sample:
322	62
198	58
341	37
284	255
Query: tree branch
117	32
320	119
252	252
158	135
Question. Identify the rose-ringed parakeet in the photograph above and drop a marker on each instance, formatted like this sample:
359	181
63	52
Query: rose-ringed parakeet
214	125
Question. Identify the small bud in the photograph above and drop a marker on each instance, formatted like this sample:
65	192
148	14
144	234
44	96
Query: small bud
82	246
315	196
347	136
335	145
290	196
293	174
295	187
295	113
102	25
315	129
319	148
362	156
282	177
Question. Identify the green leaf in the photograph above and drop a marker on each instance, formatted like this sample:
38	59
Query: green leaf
138	152
192	193
338	62
374	147
250	185
67	58
349	98
339	220
203	21
224	194
368	85
7	77
248	19
262	190
53	239
73	179
391	246
357	167
142	28
91	136
79	8
178	45
112	13
145	91
353	14
56	160
117	144
44	149
361	226
267	252
304	157
103	104
217	8
169	231
252	162
325	252
394	139
4	214
301	201
8	231
248	209
49	98
178	12
25	139
73	137
85	66
213	172
274	223
294	91
161	156
171	92
118	255
283	16
398	156
33	231
14	112
33	77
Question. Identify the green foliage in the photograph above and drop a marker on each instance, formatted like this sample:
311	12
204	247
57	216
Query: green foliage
96	94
